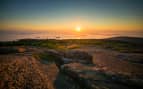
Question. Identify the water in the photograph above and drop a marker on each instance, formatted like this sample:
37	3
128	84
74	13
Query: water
16	35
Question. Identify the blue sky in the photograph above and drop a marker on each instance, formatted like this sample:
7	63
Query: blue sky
54	12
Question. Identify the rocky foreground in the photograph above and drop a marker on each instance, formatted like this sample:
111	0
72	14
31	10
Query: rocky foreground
84	68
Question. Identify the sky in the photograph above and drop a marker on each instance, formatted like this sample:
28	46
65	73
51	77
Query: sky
66	15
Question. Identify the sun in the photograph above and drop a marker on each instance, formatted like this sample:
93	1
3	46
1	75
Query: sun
78	29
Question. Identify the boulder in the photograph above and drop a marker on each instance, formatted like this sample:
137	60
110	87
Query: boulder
88	78
78	56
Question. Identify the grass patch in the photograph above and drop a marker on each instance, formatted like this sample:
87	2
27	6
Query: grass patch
47	58
77	43
8	50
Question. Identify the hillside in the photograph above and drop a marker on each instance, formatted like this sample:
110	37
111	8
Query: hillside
70	64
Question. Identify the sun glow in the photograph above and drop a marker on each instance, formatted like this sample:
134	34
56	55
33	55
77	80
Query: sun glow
78	29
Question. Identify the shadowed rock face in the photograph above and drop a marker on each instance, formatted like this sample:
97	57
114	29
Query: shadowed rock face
91	78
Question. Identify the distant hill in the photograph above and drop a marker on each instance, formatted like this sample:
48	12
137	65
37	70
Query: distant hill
136	40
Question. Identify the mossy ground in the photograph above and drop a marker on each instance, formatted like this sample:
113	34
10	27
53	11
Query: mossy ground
77	43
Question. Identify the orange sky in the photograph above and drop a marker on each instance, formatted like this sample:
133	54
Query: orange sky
87	26
66	15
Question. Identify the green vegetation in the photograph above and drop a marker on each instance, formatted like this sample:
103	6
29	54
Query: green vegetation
77	43
8	50
47	58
